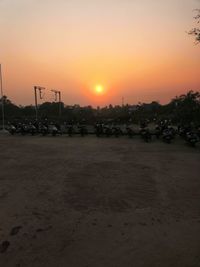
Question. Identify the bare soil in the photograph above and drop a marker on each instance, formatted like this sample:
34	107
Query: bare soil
89	202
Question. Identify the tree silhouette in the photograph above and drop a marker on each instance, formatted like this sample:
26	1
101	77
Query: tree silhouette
186	107
196	31
181	109
11	110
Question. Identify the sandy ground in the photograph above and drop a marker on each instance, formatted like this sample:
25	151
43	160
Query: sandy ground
89	202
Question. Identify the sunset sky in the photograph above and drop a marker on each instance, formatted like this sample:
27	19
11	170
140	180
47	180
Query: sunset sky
138	49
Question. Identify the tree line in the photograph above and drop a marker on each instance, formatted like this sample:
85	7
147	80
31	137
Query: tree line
181	109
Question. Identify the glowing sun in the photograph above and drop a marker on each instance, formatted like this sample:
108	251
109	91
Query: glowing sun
99	89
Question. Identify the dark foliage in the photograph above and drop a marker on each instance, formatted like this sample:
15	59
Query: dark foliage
182	109
196	31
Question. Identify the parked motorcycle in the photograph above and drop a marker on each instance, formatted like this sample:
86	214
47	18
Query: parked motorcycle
158	132
54	130
44	129
145	134
130	132
70	130
32	129
12	129
116	131
192	138
98	129
107	131
83	130
167	136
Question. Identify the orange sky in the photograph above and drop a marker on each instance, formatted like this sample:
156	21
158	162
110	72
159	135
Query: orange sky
138	49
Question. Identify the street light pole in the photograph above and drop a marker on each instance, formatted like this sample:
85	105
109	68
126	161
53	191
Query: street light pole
2	99
60	107
36	89
36	105
59	99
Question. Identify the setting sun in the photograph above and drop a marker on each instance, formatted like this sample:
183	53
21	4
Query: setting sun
99	89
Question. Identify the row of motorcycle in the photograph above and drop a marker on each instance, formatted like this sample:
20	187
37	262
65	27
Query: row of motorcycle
54	129
161	131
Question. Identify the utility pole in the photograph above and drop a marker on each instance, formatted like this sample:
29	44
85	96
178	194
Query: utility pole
2	100
58	97
36	90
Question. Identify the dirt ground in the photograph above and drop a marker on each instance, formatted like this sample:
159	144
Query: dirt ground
89	202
